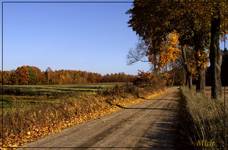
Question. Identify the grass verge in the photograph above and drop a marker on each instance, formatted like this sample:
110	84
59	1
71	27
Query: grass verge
22	125
202	119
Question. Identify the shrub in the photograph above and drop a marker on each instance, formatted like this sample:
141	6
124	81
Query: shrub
148	79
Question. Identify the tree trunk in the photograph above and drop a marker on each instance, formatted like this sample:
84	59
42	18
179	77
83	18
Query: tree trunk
189	81
188	76
173	78
200	82
184	79
215	58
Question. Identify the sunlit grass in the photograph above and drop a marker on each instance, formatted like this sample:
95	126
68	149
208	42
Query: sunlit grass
31	95
36	116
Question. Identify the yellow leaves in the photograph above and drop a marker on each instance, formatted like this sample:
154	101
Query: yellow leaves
192	66
202	57
28	133
173	38
37	130
155	94
170	51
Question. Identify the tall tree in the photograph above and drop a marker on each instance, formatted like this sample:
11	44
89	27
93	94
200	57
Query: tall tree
152	20
224	71
48	75
189	21
22	75
218	22
149	20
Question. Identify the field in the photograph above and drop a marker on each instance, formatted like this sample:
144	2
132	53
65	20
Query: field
30	95
32	111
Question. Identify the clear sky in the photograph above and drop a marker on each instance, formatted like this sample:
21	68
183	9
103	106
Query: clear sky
90	37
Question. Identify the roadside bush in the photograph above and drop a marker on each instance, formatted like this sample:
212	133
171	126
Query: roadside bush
44	118
149	80
25	122
121	91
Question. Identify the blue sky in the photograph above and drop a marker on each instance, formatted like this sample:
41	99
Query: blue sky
90	37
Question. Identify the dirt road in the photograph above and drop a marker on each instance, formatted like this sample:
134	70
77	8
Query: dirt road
149	125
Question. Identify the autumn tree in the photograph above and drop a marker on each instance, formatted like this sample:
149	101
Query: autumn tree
169	51
149	79
149	20
152	20
117	77
189	21
215	13
35	75
6	77
26	75
13	78
22	75
48	75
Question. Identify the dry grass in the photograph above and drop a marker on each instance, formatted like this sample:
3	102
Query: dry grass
204	120
22	124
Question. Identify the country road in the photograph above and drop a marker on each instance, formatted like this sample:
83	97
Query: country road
148	125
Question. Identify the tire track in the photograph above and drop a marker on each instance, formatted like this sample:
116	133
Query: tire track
109	131
146	125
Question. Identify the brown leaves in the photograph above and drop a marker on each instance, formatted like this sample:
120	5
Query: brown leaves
92	107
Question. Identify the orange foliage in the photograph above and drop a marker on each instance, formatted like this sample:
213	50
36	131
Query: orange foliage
202	59
170	51
31	75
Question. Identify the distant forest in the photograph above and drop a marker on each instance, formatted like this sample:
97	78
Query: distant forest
31	75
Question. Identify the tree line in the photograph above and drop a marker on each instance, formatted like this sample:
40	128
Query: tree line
185	34
31	75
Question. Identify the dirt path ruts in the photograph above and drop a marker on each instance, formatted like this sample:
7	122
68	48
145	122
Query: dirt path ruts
149	125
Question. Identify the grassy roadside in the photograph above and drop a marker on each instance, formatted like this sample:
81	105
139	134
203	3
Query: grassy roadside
25	125
202	121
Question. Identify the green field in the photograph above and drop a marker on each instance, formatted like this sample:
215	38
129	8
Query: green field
30	95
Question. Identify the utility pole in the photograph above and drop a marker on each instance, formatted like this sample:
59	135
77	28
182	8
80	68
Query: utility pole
225	126
225	141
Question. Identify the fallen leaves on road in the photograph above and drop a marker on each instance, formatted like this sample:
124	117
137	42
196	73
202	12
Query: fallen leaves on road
38	131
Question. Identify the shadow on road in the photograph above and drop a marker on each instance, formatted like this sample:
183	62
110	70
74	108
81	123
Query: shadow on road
160	135
148	108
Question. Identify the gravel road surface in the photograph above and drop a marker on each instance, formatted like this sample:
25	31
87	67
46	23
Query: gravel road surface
148	125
